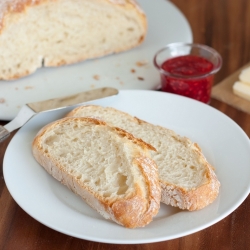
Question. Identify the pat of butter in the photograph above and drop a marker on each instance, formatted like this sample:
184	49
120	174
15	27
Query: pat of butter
245	75
242	89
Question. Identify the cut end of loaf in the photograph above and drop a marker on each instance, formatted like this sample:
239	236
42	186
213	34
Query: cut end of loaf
55	33
106	168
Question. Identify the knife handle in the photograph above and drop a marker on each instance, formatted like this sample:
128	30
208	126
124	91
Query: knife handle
4	133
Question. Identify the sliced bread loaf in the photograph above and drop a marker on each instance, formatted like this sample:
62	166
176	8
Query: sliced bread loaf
53	33
106	166
188	181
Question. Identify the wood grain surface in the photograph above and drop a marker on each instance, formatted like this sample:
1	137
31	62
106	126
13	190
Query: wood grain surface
221	24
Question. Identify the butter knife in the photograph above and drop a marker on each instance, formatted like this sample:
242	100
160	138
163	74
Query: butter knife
30	109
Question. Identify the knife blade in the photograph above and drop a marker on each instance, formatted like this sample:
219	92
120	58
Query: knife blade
30	109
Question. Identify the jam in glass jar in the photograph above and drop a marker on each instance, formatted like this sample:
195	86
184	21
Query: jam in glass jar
188	69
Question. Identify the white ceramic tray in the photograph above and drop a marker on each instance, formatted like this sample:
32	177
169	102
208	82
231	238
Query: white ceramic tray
166	24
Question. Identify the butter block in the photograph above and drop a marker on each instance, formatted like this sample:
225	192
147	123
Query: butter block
245	76
242	89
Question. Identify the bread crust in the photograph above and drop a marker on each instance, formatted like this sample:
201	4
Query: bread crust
11	11
196	198
131	211
192	199
9	7
174	195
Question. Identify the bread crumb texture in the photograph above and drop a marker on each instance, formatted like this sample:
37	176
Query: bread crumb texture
108	169
36	33
188	181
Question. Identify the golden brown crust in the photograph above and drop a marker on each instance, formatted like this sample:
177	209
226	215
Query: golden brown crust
150	170
135	140
8	7
196	198
191	200
131	211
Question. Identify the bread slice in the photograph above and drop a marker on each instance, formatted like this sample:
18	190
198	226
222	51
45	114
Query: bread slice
106	166
59	32
188	181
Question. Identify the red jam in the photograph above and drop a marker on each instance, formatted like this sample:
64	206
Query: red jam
186	77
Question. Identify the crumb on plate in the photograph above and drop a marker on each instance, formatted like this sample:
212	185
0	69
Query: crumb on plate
141	63
28	87
2	100
96	77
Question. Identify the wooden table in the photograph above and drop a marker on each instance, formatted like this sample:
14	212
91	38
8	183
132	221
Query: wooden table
221	24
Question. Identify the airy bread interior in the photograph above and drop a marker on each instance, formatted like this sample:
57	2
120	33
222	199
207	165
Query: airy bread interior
105	166
53	33
179	154
95	158
187	179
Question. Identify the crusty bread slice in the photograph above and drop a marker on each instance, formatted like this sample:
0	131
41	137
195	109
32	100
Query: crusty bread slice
188	181
53	33
108	167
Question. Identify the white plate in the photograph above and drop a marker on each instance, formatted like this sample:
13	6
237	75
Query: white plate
224	144
166	24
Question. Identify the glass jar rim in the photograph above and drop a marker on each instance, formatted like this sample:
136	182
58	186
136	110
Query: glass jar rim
215	69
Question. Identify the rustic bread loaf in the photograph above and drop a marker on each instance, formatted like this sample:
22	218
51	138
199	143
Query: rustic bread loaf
109	168
58	32
188	181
